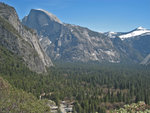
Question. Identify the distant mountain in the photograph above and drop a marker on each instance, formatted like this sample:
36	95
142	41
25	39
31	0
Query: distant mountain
137	42
140	31
75	43
21	40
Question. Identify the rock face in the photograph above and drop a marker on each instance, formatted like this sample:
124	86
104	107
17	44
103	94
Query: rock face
21	40
128	54
69	42
75	43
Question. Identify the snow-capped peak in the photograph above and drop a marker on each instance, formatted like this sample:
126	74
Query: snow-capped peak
141	28
138	31
51	16
111	32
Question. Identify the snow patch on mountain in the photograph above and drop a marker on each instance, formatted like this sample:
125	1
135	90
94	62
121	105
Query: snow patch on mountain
136	32
111	34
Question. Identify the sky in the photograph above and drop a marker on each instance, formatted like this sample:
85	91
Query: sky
97	15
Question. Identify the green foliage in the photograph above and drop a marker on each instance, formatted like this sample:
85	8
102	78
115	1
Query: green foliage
139	107
18	101
12	99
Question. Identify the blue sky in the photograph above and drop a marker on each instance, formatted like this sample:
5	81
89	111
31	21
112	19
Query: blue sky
98	15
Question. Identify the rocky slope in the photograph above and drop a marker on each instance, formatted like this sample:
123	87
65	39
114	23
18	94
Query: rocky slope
146	60
21	40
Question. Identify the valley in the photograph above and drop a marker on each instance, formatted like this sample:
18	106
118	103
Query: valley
50	66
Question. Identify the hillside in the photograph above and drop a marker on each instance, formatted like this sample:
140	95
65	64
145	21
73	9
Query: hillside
18	101
13	99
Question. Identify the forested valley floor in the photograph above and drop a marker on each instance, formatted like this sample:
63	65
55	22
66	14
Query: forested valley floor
90	87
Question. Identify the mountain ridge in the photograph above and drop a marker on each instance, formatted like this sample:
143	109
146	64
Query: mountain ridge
71	43
21	40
